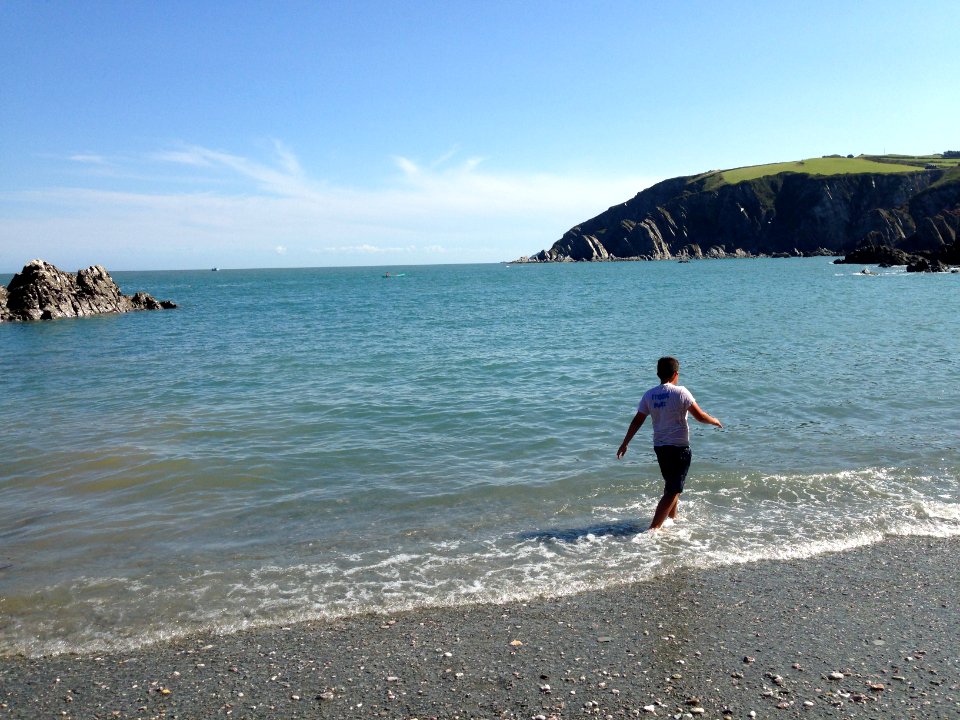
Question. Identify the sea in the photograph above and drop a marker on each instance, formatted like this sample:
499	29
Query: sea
310	444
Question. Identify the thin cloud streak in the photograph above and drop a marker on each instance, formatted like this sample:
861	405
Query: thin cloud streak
372	249
90	159
459	212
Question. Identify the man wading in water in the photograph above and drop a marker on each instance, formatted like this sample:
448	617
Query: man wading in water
668	404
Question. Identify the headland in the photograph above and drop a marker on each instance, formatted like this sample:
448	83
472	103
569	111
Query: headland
833	205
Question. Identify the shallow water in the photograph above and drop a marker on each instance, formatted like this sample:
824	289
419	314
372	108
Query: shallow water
294	444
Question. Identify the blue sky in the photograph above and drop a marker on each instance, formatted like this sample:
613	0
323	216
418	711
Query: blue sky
168	135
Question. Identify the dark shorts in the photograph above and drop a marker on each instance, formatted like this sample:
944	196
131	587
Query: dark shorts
674	466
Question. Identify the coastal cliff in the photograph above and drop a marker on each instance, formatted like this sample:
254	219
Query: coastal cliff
916	210
42	291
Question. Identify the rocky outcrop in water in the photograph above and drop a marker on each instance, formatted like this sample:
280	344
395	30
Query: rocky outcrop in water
790	214
41	291
923	265
877	255
933	247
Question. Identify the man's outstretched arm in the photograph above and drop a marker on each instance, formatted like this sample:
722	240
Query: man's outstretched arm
703	417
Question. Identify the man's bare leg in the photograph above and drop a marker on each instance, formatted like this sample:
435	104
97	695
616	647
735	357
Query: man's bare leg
667	504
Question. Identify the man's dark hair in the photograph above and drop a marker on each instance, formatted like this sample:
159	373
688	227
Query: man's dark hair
666	367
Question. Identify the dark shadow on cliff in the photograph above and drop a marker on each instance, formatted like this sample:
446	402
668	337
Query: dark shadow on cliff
627	528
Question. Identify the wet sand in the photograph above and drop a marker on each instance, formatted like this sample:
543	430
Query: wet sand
869	633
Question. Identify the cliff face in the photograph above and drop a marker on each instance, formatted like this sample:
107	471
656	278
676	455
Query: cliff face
790	213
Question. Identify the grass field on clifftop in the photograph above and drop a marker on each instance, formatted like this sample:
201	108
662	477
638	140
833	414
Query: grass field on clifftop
833	165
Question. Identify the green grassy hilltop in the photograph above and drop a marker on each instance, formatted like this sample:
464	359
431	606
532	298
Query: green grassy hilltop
831	165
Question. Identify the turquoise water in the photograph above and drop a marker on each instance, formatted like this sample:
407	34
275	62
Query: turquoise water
313	443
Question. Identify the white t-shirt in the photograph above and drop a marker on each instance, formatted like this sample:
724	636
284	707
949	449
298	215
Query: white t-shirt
667	406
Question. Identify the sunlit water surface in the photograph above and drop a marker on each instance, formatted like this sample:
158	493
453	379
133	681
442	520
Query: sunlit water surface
313	443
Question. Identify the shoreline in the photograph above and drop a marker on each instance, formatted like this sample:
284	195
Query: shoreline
869	632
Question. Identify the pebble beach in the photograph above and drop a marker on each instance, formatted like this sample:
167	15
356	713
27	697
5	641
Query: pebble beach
871	632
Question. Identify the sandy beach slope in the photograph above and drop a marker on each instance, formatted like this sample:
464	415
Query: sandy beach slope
869	633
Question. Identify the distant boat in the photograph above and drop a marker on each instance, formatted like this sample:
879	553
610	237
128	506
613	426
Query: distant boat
393	275
214	269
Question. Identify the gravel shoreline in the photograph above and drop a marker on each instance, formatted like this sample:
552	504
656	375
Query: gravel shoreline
868	633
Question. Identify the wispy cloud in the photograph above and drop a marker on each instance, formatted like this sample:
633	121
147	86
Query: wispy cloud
88	159
285	178
449	209
368	249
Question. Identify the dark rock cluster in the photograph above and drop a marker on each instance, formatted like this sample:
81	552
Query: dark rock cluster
41	291
934	247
